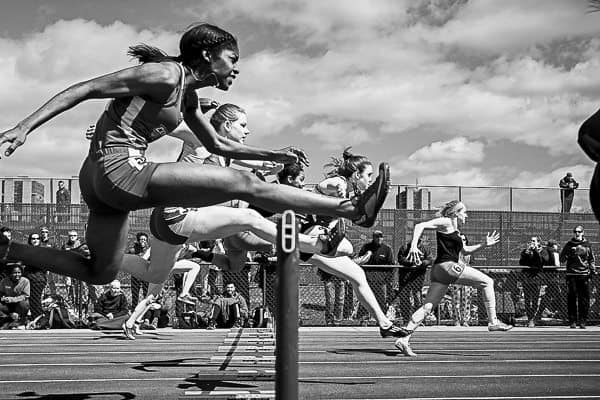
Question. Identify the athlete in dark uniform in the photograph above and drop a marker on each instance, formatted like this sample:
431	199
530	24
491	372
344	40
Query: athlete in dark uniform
447	270
148	101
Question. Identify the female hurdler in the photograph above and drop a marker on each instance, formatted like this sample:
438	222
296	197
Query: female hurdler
447	270
148	102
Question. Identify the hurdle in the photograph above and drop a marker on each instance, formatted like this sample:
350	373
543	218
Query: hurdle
259	348
286	338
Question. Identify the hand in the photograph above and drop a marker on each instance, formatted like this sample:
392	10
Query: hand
15	136
492	239
414	256
299	156
155	306
340	190
110	316
271	168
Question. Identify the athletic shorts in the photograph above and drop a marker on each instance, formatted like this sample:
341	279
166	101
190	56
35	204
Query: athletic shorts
447	272
115	180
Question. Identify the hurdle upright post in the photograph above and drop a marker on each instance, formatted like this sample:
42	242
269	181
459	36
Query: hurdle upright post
286	338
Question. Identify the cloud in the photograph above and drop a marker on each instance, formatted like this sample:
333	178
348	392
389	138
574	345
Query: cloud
445	161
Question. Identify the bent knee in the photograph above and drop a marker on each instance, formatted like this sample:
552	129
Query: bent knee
428	307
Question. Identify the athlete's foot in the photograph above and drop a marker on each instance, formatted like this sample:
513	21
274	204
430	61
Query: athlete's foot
394	331
371	200
403	345
333	238
188	299
137	330
128	332
499	326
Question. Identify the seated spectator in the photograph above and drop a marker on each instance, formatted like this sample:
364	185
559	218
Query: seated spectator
228	310
112	308
7	233
14	298
158	314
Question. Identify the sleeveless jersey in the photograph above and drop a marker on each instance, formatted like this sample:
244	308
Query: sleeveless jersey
135	122
449	246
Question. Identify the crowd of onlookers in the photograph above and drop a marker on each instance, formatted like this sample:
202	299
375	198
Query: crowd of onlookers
29	296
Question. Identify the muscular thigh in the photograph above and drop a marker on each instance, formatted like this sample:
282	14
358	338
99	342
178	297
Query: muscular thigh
213	222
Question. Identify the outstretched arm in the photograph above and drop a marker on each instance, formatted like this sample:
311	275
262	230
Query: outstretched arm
153	80
490	240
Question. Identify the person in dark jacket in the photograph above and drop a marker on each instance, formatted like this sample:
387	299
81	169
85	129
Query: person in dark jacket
112	305
567	185
411	279
535	256
579	260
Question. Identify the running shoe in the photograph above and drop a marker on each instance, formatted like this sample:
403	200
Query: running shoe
403	345
499	327
188	299
128	332
394	331
371	200
333	238
137	330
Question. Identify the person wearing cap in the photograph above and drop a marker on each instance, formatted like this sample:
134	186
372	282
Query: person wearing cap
567	185
376	252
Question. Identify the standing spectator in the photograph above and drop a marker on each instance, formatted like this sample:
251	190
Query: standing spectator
112	309
376	252
51	277
141	247
334	297
228	310
76	245
552	300
37	280
14	296
535	256
567	192
63	201
580	265
7	233
411	278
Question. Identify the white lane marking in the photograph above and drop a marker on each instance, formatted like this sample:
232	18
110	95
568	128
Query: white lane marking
328	378
196	360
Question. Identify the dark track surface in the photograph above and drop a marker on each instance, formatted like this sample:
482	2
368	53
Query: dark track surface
335	363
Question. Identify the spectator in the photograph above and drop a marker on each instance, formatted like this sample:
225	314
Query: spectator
580	265
334	297
411	279
228	310
535	256
74	244
37	280
112	309
141	247
63	201
158	314
14	297
376	252
6	232
51	277
553	299
567	192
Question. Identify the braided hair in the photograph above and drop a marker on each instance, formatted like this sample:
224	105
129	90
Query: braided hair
195	39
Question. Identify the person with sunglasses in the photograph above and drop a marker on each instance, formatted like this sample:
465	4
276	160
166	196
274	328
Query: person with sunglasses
579	259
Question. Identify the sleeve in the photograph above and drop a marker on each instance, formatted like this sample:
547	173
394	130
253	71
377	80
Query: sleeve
525	258
101	305
24	290
427	258
122	306
563	253
562	184
591	259
243	307
362	251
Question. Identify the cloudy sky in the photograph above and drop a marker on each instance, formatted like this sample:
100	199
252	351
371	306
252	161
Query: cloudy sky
482	92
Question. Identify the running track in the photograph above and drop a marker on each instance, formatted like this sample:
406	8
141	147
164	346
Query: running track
335	363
